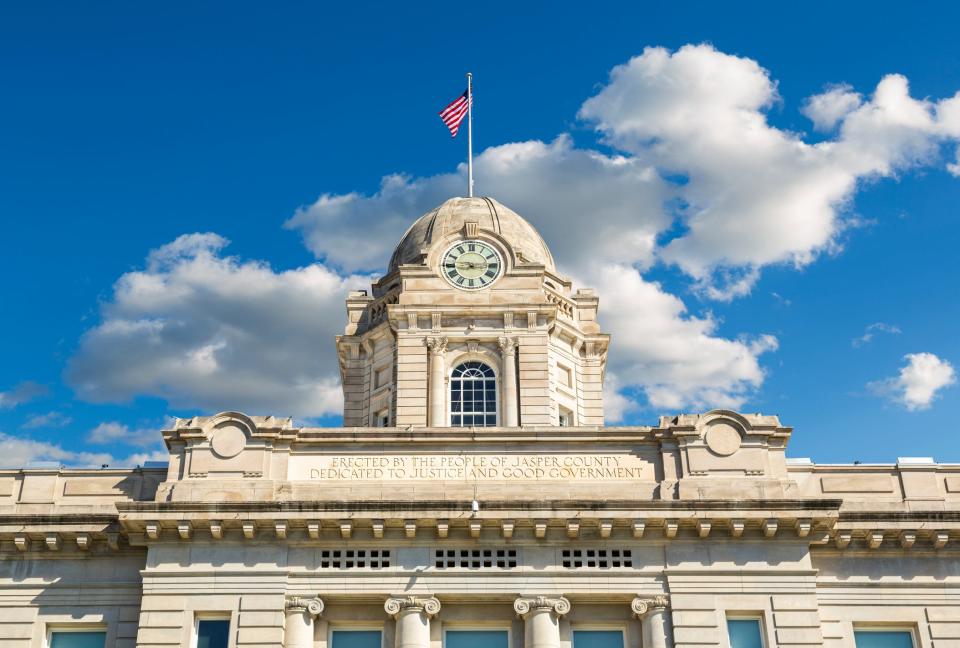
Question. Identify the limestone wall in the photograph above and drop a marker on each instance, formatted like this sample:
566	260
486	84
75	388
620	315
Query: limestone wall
39	592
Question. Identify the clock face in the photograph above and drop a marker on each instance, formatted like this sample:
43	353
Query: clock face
471	265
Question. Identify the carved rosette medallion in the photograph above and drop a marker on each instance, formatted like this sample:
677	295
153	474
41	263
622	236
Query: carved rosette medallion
425	605
436	345
558	605
642	606
312	606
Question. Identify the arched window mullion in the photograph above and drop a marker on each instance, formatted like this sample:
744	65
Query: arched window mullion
473	395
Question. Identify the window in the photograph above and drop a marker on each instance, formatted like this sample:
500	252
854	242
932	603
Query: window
473	395
356	639
383	418
213	633
78	639
476	639
597	639
744	633
566	417
883	638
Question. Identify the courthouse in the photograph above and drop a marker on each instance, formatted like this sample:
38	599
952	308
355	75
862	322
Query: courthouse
474	498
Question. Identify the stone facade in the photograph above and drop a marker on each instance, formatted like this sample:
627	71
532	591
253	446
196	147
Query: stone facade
540	336
419	528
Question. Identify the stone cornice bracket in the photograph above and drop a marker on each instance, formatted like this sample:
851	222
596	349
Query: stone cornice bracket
437	345
394	606
312	606
558	605
508	345
641	606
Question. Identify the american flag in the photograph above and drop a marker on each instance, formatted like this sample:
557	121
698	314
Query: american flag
453	114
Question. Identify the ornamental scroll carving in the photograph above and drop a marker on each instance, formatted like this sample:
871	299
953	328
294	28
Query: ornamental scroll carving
525	605
437	345
642	606
312	606
427	605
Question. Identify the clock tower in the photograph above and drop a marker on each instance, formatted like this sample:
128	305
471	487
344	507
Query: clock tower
472	326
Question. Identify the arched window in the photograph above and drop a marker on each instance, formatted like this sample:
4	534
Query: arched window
473	395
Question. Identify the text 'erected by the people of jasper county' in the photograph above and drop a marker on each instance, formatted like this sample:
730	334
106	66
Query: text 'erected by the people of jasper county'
480	467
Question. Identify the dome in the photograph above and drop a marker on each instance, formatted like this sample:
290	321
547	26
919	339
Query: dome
489	215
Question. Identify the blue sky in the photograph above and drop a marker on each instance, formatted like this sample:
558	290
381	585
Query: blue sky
126	127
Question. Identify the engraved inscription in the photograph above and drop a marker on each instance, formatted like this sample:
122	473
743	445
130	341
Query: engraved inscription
474	467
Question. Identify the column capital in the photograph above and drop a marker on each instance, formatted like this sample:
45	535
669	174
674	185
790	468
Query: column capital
427	605
312	606
641	606
508	345
437	345
558	605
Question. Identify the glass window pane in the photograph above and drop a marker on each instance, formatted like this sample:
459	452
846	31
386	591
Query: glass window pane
597	639
883	639
476	639
78	639
474	394
213	633
744	633
356	639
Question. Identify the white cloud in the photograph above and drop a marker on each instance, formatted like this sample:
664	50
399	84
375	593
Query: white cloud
16	452
22	393
871	332
757	195
110	432
207	331
919	381
677	359
827	109
588	206
48	420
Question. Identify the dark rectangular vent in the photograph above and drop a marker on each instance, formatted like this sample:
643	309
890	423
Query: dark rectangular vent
597	558
475	558
354	558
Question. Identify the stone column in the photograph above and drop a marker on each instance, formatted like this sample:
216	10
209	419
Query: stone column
541	616
413	619
652	613
508	349
298	629
438	381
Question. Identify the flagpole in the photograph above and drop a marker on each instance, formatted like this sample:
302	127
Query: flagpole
469	135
